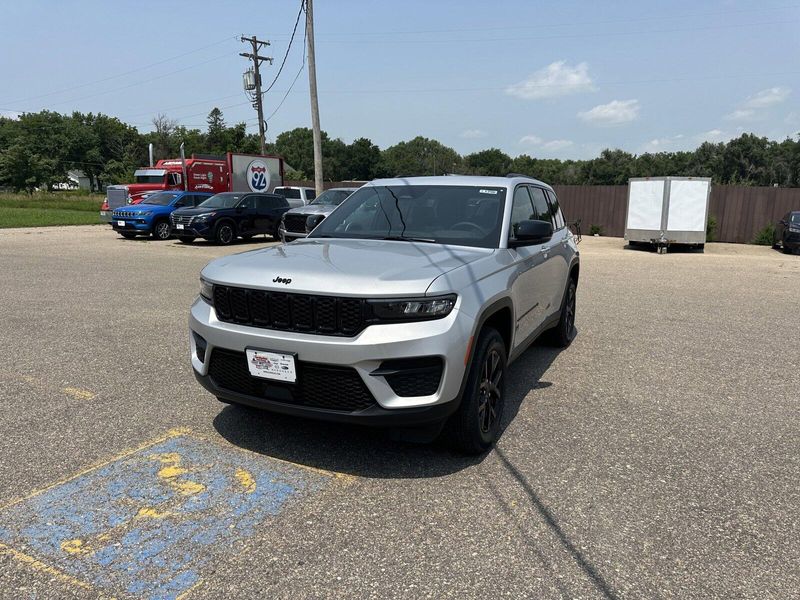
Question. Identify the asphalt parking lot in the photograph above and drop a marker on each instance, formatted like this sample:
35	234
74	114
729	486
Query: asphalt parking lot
657	457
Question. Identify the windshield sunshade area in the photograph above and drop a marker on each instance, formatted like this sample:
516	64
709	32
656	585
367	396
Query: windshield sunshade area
460	215
226	200
160	199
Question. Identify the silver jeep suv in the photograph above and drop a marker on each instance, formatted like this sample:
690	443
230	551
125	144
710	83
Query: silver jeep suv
403	308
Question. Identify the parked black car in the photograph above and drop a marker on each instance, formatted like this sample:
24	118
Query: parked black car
224	217
787	232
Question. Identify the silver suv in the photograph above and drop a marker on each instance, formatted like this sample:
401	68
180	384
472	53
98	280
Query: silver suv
294	223
403	308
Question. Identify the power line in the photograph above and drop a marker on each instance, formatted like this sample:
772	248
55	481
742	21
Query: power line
296	77
289	47
542	25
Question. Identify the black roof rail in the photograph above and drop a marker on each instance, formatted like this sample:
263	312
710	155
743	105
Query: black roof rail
519	175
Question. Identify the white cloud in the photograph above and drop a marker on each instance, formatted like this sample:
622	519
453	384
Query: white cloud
713	135
740	114
551	145
555	80
768	97
663	144
533	140
616	112
472	134
557	144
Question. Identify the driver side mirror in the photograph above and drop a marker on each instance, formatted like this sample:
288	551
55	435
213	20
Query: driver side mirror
312	221
528	233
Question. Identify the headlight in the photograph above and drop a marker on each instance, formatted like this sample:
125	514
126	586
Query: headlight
206	291
204	216
413	309
145	213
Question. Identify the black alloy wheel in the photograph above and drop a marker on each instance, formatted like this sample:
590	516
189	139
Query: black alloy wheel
225	234
162	230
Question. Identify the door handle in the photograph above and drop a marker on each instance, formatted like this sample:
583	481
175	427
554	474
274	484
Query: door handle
545	249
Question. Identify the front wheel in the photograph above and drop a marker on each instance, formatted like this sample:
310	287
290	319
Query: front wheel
474	427
161	230
224	234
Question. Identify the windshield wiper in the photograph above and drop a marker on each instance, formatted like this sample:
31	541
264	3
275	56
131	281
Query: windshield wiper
404	238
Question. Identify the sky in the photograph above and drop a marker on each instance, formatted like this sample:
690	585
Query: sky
552	80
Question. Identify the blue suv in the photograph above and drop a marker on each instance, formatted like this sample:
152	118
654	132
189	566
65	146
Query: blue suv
151	217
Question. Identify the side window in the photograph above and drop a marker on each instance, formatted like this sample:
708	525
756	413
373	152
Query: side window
198	199
521	209
541	208
248	202
311	194
559	216
184	201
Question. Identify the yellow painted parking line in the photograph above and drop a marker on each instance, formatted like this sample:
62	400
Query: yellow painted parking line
41	567
78	393
170	434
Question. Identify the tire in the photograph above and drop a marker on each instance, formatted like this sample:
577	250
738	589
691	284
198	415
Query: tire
224	234
161	230
562	334
475	426
186	239
786	249
128	236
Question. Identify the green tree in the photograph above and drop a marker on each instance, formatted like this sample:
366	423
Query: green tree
217	136
420	156
23	170
362	160
492	162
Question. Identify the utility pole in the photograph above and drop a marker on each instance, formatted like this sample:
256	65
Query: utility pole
312	87
253	85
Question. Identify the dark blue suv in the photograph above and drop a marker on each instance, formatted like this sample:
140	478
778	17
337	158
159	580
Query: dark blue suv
226	216
151	216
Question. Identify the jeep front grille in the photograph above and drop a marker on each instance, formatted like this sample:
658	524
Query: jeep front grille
127	214
325	315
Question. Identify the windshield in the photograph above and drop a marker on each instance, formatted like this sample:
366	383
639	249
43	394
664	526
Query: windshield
795	219
443	214
149	179
226	200
160	199
332	197
292	193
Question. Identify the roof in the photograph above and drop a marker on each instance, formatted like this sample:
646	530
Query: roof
464	180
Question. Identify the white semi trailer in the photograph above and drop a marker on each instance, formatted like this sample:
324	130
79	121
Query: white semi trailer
663	211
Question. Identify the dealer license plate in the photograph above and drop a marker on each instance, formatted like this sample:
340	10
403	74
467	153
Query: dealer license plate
271	365
120	223
179	226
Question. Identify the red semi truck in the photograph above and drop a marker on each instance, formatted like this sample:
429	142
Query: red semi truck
230	173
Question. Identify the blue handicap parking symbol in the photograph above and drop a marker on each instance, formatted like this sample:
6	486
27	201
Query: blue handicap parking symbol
144	523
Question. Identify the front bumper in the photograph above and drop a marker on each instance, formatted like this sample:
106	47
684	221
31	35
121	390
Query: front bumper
364	353
283	233
132	225
792	240
194	229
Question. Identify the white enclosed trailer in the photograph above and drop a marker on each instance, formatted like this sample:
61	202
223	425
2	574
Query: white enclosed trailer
668	210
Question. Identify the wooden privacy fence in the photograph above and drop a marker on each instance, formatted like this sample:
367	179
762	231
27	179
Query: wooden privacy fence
740	211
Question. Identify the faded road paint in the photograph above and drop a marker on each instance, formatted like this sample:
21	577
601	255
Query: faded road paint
146	523
78	393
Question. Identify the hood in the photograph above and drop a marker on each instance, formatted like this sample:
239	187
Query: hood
137	208
312	209
193	212
373	268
